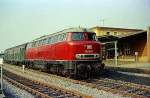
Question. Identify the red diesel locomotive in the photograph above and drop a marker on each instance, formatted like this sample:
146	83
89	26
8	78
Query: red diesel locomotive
73	51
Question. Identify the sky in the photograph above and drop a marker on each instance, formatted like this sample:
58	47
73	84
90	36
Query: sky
24	20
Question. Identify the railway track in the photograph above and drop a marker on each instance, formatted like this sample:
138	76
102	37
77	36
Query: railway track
110	85
123	88
40	90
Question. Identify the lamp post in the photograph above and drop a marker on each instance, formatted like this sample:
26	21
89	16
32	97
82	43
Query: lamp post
1	63
116	53
103	22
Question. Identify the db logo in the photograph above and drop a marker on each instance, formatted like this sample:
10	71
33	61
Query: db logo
89	47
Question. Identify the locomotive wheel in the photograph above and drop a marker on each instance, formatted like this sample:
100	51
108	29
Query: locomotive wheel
99	69
83	71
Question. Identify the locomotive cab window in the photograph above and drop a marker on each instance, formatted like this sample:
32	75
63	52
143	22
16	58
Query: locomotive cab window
77	36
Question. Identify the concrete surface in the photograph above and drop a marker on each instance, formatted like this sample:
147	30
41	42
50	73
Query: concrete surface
136	67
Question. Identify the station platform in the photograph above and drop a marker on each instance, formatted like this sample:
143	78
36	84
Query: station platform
136	67
2	95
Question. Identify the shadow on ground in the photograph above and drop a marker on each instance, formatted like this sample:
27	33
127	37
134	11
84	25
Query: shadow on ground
125	77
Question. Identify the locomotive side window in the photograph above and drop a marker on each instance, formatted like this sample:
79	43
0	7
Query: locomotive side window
77	36
49	40
54	39
29	45
40	42
62	37
33	44
36	43
92	36
46	41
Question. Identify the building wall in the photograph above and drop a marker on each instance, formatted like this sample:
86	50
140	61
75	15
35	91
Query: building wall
100	31
148	43
146	52
140	44
129	45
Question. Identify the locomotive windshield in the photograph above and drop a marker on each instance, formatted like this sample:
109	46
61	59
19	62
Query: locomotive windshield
77	36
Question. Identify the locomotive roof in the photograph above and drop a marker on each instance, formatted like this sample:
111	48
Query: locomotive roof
78	29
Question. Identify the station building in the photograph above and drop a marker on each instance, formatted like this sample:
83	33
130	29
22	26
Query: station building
132	44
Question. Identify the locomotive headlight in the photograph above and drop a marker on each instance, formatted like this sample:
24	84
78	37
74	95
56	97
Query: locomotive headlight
78	56
97	55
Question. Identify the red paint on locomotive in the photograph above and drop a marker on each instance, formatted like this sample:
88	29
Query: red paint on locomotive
65	50
73	51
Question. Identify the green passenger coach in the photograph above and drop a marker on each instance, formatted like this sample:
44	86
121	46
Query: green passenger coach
15	55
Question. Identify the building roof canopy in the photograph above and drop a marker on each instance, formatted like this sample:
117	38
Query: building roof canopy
109	38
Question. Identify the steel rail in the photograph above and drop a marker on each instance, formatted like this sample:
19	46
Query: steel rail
40	89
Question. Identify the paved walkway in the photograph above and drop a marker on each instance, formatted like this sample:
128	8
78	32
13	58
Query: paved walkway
132	65
2	96
129	67
127	64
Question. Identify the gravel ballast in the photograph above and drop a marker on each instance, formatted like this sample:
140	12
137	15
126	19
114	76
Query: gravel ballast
62	83
12	91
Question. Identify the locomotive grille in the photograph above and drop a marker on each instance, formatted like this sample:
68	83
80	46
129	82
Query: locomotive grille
87	56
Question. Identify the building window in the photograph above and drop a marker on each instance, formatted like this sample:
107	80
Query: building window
108	33
127	49
115	33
